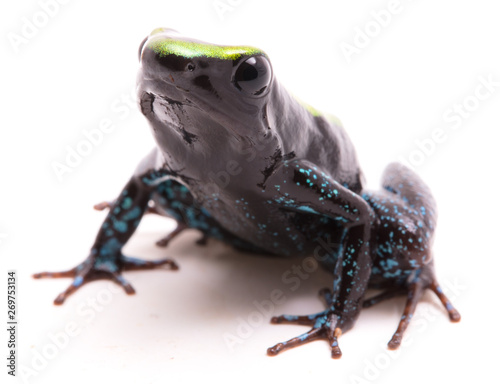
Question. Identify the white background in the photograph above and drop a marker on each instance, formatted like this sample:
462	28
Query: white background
80	68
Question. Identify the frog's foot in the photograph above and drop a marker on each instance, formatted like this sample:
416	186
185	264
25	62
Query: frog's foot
325	325
413	293
90	270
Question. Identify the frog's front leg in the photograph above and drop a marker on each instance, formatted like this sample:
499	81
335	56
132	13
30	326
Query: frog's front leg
106	260
305	187
165	240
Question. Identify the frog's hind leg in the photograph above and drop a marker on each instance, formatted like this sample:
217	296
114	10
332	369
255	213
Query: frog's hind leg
414	194
415	211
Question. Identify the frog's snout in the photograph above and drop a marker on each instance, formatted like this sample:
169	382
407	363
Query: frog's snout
164	31
168	32
141	46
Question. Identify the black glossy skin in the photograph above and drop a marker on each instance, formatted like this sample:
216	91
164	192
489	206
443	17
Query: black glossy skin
244	162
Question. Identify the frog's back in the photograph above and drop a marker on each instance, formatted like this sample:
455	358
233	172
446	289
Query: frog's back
316	137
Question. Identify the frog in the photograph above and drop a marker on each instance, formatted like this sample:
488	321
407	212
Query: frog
241	159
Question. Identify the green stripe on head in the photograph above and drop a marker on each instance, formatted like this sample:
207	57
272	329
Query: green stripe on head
190	49
313	111
317	113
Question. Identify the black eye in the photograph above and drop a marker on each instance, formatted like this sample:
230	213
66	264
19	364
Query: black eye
190	67
253	75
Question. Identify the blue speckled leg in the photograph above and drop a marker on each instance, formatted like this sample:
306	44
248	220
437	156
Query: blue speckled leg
164	241
106	260
299	181
351	275
403	264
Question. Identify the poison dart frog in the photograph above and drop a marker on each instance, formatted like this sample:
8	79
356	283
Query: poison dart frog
242	160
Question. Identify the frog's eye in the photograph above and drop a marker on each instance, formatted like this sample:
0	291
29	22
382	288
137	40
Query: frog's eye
253	75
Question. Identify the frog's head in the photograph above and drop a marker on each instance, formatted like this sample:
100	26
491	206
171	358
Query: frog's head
225	85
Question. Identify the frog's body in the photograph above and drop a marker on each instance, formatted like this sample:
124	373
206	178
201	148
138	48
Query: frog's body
244	162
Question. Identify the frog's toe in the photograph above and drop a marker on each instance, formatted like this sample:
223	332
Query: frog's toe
293	319
414	293
135	264
164	241
452	311
91	275
54	275
325	294
59	300
312	335
323	330
103	205
324	326
118	278
92	269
